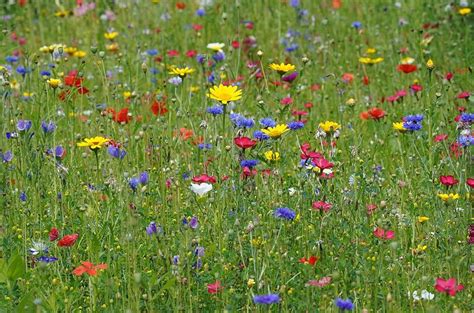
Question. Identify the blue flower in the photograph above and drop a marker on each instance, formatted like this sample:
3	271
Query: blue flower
413	122
23	125
199	251
200	58
45	73
47	259
48	127
215	110
266	299
267	122
200	12
116	152
144	178
467	118
285	213
466	141
23	196
11	59
7	156
22	70
295	3
204	146
193	223
152	52
151	229
133	183
248	163
344	304
295	125
241	121
357	24
219	56
258	134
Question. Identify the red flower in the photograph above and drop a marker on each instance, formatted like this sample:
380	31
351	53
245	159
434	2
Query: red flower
384	234
321	205
440	137
235	44
406	68
185	133
365	80
322	163
191	53
68	240
371	208
448	180
448	286
204	178
376	113
214	288
159	107
172	53
416	88
319	283
347	78
180	5
449	76
53	234
463	95
470	182
311	260
122	116
197	27
244	142
89	268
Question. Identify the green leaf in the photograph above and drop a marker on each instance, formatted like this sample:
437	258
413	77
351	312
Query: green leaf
16	267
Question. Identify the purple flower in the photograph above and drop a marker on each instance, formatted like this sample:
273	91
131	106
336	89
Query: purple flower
248	163
215	110
290	78
48	127
199	251
176	260
267	122
133	183
344	304
23	125
295	125
285	213
47	259
116	152
151	229
7	156
193	223
144	178
266	299
219	56
258	134
200	12
23	196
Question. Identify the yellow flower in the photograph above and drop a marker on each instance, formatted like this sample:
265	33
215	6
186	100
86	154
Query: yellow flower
111	35
426	41
250	282
70	50
399	127
80	54
62	13
351	101
419	249
445	197
93	143
329	126
225	94
282	68
430	64
277	131
54	82
182	72
127	94
366	60
464	11
14	84
216	46
422	219
407	60
112	47
370	51
272	156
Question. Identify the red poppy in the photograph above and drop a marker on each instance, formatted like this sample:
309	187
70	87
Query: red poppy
185	133
204	178
214	288
449	286
463	95
244	142
180	5
406	68
122	116
159	107
376	113
172	53
191	53
448	180
470	182
248	172
322	163
311	260
89	268
347	77
365	80
197	27
68	240
416	88
235	44
53	234
449	76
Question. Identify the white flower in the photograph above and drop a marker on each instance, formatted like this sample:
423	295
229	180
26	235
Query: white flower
201	189
216	46
426	295
38	247
291	191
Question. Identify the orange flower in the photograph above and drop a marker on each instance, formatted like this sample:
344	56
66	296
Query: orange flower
89	268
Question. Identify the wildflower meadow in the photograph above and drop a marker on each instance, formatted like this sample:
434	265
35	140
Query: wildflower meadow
236	156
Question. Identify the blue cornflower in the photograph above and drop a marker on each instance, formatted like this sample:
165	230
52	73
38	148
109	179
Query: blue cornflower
7	156
23	196
466	141
267	122
45	73
295	3
144	178
116	152
176	80
23	125
47	259
152	52
11	135
176	260
241	121
344	304
11	59
219	56
200	12
151	229
200	58
133	183
211	78
199	251
266	299
285	213
248	163
258	134
204	146
292	47
295	125
215	110
467	118
413	122
357	24
48	127
22	70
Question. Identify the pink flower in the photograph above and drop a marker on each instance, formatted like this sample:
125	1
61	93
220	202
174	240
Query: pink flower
448	180
215	287
384	234
440	137
448	286
286	101
321	205
463	95
319	283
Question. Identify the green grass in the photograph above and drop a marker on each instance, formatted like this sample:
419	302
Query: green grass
237	228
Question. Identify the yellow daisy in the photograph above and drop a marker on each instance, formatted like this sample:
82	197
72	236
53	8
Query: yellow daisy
282	68
93	143
181	72
329	126
276	132
225	94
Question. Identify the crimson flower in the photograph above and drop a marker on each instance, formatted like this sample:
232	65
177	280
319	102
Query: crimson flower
376	113
311	260
384	234
89	268
204	178
68	240
53	234
321	205
470	182
449	286
448	180
322	163
215	287
159	107
244	142
463	95
440	137
406	68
